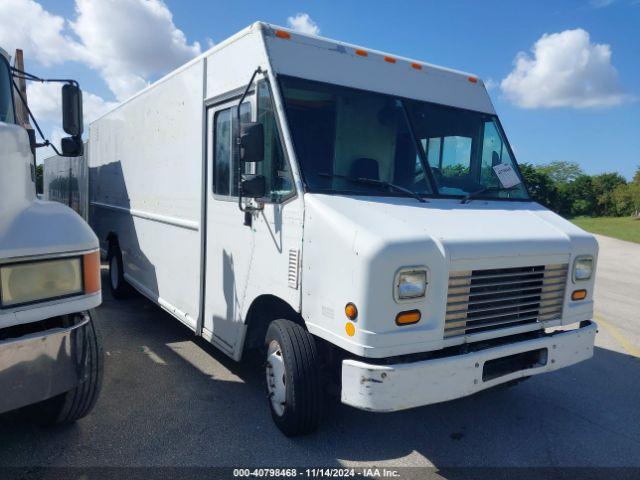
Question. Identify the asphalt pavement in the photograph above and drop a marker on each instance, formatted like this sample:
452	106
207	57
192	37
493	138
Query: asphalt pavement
170	399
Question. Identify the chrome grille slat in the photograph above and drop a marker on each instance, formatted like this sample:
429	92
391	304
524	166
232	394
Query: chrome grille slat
503	275
546	296
466	328
504	307
544	289
482	300
499	284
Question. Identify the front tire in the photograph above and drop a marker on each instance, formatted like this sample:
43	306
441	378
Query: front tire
293	378
79	401
117	284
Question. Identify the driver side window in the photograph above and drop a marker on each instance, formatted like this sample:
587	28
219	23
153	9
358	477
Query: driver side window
274	167
6	100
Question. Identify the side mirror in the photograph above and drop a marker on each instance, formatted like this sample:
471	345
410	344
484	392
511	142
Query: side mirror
251	142
72	109
253	186
72	146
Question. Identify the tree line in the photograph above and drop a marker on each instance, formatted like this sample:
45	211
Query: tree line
564	188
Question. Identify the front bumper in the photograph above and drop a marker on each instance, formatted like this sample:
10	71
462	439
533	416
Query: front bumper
386	388
41	365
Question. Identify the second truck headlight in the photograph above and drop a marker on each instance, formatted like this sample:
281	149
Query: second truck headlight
37	281
411	284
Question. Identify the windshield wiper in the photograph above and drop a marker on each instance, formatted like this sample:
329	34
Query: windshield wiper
471	195
373	181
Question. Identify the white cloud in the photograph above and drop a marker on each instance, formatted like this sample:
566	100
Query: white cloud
40	34
566	70
490	84
303	23
129	41
126	41
45	101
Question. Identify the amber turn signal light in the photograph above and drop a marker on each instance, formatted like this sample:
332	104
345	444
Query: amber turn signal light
408	318
579	295
351	311
91	272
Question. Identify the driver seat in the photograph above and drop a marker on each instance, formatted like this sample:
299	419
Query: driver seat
365	168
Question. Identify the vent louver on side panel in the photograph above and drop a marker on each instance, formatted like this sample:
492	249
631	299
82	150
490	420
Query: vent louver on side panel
294	268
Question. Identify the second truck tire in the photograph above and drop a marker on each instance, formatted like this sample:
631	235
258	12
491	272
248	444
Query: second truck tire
78	402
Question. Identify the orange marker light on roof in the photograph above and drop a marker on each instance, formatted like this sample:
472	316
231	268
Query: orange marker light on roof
473	79
283	34
362	53
389	59
417	66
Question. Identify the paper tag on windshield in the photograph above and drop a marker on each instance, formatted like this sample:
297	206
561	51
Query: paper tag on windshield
507	175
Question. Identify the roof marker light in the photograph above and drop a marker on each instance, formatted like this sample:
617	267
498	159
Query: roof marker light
362	53
472	79
390	60
283	34
417	66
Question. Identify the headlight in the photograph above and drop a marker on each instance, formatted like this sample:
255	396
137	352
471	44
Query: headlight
22	283
582	268
411	284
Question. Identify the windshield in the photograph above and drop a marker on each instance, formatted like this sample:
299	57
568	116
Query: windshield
343	134
6	99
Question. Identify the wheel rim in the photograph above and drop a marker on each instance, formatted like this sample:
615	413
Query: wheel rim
276	383
113	272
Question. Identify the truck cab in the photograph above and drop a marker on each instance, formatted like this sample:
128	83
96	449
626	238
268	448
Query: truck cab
50	354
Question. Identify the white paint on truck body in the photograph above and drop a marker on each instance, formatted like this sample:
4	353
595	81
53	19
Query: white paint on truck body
186	248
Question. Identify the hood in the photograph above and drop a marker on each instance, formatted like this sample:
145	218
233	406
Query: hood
29	227
478	229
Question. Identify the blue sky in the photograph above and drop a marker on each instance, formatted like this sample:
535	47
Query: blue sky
601	131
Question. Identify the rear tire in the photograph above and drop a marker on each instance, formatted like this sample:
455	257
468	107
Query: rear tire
78	402
118	286
293	378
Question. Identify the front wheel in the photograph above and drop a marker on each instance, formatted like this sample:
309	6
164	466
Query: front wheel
117	284
293	378
79	401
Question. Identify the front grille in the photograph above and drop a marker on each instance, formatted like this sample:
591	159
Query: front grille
482	300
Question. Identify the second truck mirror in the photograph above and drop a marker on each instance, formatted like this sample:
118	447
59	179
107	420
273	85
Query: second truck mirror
253	186
72	146
251	142
72	110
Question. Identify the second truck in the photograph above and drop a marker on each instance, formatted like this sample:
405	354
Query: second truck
50	352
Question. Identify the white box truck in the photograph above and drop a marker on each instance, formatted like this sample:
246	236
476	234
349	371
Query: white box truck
50	352
357	214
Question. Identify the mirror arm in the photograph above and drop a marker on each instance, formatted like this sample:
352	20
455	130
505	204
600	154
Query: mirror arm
46	143
29	76
238	145
17	73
